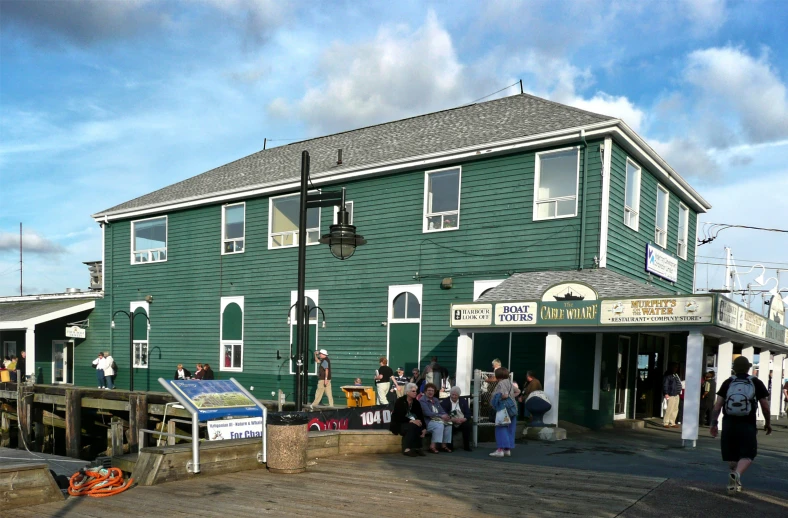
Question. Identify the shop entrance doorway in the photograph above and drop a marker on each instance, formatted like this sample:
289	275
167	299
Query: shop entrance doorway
624	379
650	369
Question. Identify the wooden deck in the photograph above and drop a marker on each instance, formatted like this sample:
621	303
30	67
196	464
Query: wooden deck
380	485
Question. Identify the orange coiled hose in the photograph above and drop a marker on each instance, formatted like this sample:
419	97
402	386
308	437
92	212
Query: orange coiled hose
98	484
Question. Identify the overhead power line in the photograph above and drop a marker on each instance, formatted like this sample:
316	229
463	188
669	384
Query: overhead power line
712	230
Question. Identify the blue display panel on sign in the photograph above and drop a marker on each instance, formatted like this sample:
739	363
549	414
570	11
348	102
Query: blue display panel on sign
216	398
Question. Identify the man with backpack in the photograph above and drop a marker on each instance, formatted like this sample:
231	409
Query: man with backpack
737	399
671	389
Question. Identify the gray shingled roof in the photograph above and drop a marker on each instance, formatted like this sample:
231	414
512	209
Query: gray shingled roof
24	310
477	124
531	285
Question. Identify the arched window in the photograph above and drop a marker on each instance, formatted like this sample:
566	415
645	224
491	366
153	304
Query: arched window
140	336
406	305
232	334
311	300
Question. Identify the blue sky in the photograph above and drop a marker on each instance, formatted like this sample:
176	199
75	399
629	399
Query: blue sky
103	101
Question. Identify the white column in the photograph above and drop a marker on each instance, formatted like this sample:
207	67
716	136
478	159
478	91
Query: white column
597	372
552	374
749	353
764	367
775	405
30	351
694	368
464	362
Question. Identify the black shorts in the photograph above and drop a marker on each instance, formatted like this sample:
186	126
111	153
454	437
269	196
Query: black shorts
739	440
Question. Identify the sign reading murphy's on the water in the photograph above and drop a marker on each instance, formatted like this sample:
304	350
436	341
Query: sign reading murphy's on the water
661	310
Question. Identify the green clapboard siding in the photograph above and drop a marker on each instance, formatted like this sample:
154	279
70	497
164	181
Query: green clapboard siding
627	248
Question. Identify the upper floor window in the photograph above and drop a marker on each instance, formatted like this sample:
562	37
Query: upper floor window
442	200
283	222
149	240
632	196
557	174
681	247
661	231
232	334
233	228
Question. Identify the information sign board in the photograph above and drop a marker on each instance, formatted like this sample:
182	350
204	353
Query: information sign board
216	398
658	310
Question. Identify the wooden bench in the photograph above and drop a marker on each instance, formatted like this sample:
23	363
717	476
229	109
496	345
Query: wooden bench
25	484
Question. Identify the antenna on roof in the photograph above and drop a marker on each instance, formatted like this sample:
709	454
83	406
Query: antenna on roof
265	141
521	86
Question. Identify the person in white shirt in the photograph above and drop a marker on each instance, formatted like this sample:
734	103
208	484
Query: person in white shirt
109	372
99	363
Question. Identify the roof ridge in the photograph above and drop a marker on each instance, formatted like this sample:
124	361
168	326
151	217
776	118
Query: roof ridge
569	106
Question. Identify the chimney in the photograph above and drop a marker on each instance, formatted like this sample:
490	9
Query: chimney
339	156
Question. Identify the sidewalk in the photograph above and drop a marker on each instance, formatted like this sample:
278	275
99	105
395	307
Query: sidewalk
657	452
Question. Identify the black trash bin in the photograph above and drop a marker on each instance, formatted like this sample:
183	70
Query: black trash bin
287	442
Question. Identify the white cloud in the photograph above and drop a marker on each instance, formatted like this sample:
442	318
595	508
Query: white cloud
742	92
400	73
31	243
687	157
615	106
705	14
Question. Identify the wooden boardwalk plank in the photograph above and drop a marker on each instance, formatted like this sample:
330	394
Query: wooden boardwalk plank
384	485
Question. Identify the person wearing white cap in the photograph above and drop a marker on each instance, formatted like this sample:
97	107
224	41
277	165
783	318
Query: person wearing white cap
323	378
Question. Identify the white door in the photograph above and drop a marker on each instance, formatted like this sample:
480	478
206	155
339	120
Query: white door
62	356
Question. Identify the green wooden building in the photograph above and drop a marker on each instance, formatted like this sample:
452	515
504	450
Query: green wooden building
452	204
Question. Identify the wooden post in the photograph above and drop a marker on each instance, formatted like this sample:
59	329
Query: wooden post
5	430
116	437
73	422
171	428
138	420
24	402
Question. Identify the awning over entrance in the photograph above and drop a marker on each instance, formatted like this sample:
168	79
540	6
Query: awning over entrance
599	302
25	313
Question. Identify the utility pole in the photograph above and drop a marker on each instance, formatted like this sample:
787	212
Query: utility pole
20	258
728	273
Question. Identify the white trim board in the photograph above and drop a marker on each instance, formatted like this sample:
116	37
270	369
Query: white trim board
24	324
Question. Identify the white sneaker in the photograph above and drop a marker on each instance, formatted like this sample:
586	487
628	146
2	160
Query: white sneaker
507	453
496	453
734	482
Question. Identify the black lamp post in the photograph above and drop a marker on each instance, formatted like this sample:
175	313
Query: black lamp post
343	241
131	316
305	318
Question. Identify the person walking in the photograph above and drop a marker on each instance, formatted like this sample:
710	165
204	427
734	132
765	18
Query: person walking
708	395
99	363
671	388
323	379
109	371
737	399
504	399
383	381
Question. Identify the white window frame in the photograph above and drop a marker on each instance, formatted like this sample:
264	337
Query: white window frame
661	232
224	229
394	292
296	237
537	176
166	240
314	295
349	206
133	306
683	240
226	301
427	214
479	287
632	212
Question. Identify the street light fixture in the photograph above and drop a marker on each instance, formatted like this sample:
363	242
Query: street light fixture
131	316
343	241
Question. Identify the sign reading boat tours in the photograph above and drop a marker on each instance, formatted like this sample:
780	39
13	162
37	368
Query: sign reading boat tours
661	264
662	310
515	313
471	315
